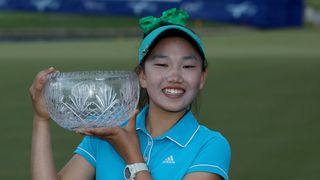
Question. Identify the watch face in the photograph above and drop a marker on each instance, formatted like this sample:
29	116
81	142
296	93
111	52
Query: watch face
127	173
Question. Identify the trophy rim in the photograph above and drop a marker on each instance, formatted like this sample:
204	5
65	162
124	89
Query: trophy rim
91	74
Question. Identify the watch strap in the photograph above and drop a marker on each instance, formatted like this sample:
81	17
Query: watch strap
135	168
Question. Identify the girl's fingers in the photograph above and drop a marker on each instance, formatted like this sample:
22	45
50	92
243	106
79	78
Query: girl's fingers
40	81
101	132
41	76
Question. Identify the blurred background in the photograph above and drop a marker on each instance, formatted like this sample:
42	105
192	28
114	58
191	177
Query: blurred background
262	93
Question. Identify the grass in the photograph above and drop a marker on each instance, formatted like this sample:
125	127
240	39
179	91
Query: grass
262	93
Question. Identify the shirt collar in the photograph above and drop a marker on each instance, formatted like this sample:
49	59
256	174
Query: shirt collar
181	133
140	121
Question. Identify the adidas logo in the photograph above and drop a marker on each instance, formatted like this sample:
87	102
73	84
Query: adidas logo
169	160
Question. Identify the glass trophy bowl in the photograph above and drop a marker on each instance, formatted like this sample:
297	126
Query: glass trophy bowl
91	99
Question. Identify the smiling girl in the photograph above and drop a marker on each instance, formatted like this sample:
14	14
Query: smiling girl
164	140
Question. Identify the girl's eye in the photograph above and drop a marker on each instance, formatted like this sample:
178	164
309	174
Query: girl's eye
189	66
161	65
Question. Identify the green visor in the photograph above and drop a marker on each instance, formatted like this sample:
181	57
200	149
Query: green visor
148	40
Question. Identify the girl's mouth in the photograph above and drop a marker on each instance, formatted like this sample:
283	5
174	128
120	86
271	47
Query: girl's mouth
173	91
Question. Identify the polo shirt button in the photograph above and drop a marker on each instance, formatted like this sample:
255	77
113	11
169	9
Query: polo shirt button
149	143
146	158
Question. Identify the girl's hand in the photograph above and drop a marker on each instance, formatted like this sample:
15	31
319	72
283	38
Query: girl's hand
39	108
124	140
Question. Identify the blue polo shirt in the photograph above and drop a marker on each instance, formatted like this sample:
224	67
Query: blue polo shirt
185	148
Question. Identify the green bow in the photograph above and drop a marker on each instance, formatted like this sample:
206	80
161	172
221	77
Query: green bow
171	16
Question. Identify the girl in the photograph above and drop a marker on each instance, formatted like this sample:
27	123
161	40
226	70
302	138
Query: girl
164	140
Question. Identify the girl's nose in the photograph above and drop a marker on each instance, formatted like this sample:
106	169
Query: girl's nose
174	76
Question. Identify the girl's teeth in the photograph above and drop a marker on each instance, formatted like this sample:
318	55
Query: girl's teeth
173	91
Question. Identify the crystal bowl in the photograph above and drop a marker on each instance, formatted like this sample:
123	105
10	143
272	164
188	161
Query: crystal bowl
91	99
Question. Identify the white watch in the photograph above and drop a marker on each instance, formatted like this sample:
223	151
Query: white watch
131	170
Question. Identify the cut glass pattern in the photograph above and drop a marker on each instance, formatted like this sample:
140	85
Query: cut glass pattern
91	99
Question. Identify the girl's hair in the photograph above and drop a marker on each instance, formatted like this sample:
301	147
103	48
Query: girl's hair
144	97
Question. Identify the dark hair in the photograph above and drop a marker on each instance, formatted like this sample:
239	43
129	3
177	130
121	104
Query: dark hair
144	97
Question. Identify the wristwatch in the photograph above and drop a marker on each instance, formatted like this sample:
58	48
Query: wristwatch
131	170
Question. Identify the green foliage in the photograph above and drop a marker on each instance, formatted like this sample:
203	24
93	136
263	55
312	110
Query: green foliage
313	3
262	93
14	19
9	19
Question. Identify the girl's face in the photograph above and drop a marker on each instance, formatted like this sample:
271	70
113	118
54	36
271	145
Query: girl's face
172	75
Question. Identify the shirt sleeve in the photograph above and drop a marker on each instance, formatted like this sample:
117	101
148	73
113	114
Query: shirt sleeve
214	157
87	149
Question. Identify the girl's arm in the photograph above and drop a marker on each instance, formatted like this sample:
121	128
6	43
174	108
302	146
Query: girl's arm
42	163
202	176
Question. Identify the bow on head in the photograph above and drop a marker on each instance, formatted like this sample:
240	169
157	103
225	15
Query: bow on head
171	16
